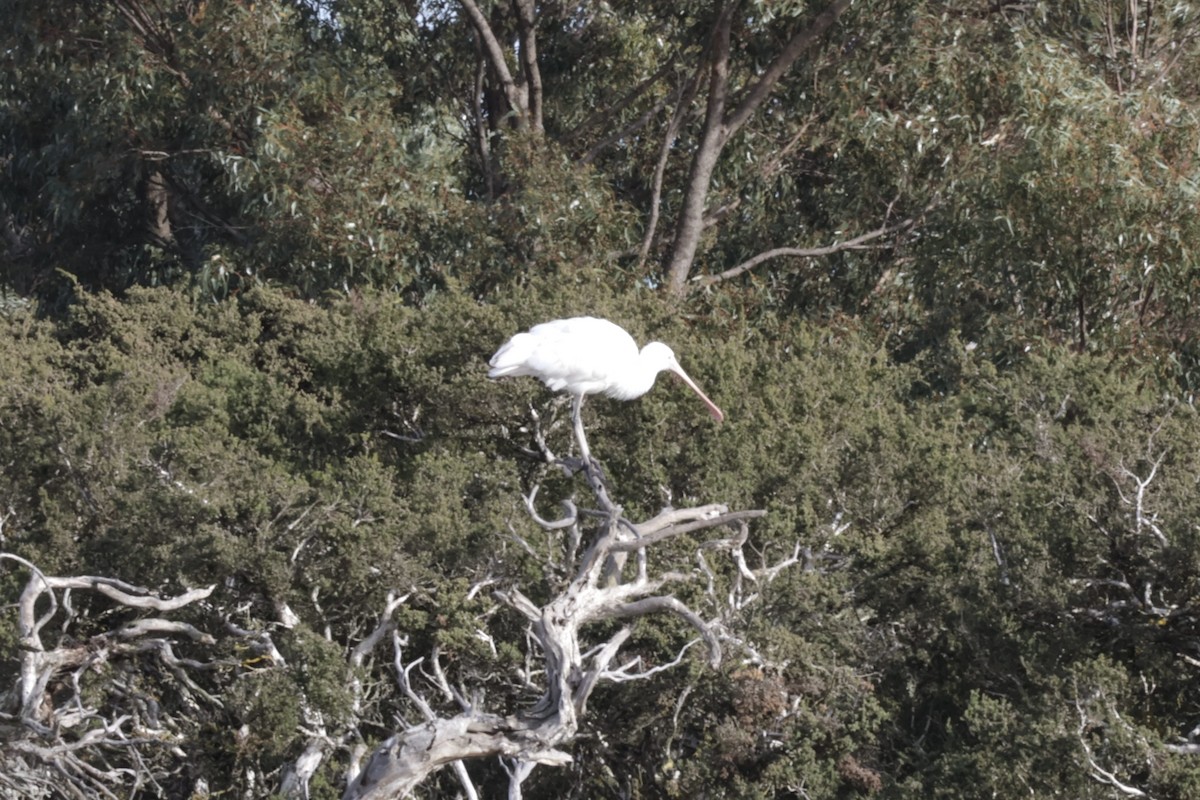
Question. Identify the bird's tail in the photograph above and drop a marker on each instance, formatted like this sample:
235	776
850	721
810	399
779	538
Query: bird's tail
510	359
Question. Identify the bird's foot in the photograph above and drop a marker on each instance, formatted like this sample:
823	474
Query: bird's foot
595	472
573	465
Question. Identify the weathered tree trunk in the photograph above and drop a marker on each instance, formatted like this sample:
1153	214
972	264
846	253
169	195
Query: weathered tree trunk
406	759
536	735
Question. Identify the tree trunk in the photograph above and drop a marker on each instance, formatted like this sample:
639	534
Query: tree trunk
691	216
718	128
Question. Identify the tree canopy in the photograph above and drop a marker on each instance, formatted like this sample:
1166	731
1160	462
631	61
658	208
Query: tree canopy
261	511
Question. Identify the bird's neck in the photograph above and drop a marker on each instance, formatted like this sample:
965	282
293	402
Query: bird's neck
636	381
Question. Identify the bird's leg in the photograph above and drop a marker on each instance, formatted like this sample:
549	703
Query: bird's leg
577	418
591	467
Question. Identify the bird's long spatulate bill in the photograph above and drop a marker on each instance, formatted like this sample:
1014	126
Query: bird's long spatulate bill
717	413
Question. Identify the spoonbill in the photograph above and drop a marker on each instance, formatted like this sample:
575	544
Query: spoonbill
588	355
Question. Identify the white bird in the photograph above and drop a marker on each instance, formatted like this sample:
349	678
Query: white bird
586	355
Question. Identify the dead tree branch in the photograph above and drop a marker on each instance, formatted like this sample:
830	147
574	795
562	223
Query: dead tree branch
1143	519
56	735
558	636
1095	770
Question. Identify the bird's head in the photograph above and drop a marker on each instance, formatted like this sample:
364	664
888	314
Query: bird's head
660	357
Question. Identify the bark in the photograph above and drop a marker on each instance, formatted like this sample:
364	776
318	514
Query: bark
406	759
529	65
712	141
158	198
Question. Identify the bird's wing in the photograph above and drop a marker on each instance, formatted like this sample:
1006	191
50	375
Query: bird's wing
579	355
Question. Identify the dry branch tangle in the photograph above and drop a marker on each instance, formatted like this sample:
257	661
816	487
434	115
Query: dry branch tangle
53	742
572	666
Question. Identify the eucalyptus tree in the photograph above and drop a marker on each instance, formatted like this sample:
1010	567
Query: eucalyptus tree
1044	146
676	83
217	144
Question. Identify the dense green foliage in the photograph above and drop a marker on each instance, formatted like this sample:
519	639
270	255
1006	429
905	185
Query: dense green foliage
255	257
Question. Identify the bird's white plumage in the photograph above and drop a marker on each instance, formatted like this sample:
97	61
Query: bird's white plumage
587	355
584	355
